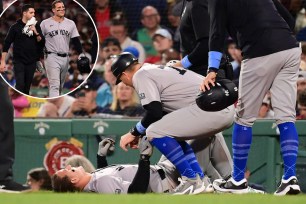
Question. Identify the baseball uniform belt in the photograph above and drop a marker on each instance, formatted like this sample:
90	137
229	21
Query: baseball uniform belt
58	54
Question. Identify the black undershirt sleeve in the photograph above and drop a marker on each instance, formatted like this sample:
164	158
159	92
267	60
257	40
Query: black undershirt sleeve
77	44
154	112
141	180
201	49
101	161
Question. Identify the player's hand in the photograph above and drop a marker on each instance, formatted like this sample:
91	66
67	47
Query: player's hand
128	139
2	67
209	79
106	147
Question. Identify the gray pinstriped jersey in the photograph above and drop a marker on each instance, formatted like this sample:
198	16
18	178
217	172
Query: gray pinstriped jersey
117	179
175	88
58	35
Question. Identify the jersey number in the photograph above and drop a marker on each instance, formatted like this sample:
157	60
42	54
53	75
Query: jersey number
181	71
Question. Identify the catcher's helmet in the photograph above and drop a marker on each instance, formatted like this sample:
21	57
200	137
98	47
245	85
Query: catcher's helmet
222	95
83	65
121	63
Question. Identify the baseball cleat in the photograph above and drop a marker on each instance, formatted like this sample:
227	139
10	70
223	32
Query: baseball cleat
189	186
288	187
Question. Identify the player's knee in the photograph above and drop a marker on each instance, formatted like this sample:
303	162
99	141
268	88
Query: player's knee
151	132
249	122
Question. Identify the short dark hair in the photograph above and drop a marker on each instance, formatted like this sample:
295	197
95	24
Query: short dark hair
62	184
119	22
110	41
26	7
55	2
41	174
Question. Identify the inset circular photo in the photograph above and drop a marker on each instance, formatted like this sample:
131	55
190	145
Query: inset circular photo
49	48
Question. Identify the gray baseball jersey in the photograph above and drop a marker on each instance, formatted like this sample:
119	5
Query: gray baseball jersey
117	179
176	89
57	35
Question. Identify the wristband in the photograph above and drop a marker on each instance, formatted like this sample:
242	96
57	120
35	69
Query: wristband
135	132
185	62
140	128
214	59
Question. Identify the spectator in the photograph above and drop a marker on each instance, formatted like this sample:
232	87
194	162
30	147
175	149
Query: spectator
110	46
102	11
133	8
162	41
9	77
57	107
302	105
303	56
125	102
174	18
119	30
132	50
104	92
301	82
39	179
19	101
150	20
85	103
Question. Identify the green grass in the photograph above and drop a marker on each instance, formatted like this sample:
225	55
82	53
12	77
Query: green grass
83	198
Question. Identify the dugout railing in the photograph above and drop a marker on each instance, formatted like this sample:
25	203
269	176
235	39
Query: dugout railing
35	137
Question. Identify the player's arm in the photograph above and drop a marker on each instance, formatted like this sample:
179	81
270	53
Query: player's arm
199	10
141	180
218	22
77	44
285	14
154	112
9	39
39	36
1	6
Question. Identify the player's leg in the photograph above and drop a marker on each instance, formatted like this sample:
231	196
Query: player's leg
28	78
19	71
64	71
283	92
191	158
53	74
213	156
256	78
183	124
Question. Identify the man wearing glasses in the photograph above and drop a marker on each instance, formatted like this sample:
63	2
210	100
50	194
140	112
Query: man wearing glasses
58	31
150	19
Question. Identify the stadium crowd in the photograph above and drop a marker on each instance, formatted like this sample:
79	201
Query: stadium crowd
150	32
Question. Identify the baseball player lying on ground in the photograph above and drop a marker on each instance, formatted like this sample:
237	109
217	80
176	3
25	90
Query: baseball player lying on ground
171	90
120	179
